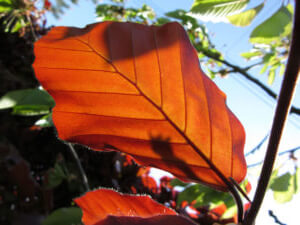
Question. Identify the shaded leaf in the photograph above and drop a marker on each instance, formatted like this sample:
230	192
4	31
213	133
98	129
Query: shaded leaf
216	10
106	206
56	176
64	216
176	182
115	83
275	26
245	18
27	102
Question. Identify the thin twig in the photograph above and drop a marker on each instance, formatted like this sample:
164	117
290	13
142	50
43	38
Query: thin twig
81	170
279	154
244	73
282	110
258	146
276	220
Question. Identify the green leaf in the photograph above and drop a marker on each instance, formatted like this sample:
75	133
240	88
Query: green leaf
27	102
250	55
5	6
45	121
177	182
216	10
281	69
271	76
203	195
273	28
297	180
64	216
56	176
245	18
180	14
283	188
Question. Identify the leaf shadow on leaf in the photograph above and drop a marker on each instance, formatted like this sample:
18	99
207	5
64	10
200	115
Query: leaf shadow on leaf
162	147
113	30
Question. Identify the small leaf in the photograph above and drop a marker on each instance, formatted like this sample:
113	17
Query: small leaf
281	69
251	55
245	18
216	10
27	102
108	207
64	216
56	176
272	29
283	188
271	76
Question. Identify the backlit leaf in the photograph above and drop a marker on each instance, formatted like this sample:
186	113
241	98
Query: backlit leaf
109	207
140	89
216	10
245	18
279	24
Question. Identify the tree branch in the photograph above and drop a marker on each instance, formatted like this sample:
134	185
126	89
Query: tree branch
282	110
243	72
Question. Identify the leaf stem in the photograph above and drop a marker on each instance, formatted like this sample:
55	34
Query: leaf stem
282	110
81	170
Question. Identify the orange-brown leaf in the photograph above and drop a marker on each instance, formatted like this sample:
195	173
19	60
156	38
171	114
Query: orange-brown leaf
105	206
140	89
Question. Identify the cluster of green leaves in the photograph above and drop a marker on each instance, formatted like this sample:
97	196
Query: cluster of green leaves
203	196
15	14
270	39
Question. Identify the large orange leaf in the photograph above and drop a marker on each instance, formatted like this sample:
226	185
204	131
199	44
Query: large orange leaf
109	207
140	89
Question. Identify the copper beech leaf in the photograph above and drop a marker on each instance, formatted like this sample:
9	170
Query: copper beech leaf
108	207
140	89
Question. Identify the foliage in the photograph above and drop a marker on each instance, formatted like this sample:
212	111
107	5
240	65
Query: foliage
217	10
49	175
285	186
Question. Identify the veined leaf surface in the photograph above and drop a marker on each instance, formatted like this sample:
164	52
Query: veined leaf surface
140	89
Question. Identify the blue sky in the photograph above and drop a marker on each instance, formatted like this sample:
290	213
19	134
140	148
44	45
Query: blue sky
251	105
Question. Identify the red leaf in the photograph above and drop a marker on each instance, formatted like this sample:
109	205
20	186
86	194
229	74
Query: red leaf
140	89
109	207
